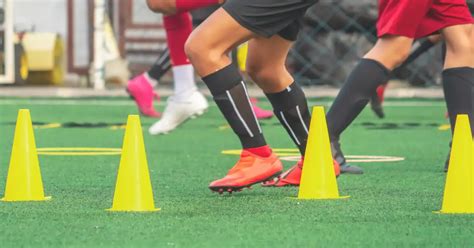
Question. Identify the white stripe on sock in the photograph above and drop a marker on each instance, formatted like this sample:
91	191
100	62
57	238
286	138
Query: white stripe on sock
253	112
301	118
238	114
163	57
167	64
289	128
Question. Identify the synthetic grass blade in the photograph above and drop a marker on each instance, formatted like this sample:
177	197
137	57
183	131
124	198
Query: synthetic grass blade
318	180
24	181
459	188
133	190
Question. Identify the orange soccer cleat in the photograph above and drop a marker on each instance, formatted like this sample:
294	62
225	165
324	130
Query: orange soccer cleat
249	170
292	176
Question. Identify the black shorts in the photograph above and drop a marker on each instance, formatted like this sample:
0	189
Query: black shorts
269	17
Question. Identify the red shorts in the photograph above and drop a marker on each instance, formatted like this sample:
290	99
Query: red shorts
419	18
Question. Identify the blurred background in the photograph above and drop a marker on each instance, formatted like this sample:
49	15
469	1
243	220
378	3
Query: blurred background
102	43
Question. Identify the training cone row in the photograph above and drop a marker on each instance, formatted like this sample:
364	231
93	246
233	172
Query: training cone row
459	189
133	190
24	181
318	179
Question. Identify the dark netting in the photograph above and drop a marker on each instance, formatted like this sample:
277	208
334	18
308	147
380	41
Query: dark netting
337	33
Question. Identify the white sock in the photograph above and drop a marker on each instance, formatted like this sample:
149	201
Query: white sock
150	80
184	82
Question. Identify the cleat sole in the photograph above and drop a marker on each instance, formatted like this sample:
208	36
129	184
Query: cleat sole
240	188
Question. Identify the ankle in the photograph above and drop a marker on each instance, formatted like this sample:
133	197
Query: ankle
262	151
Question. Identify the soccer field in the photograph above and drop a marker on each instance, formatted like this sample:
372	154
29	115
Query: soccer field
392	204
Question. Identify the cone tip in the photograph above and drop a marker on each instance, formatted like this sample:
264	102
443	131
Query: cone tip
133	119
462	117
318	110
23	111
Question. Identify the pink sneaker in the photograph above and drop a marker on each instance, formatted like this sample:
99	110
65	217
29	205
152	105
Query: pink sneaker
142	92
259	112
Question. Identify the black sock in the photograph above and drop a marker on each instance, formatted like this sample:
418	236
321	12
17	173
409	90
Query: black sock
161	65
458	86
230	94
354	95
291	109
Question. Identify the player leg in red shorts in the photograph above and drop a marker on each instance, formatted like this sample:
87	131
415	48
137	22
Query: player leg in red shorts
422	46
400	22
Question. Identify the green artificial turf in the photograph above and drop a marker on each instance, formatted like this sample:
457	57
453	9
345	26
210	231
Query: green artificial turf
392	204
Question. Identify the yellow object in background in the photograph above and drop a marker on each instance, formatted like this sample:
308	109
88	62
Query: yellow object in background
24	181
133	190
459	188
318	179
242	52
45	54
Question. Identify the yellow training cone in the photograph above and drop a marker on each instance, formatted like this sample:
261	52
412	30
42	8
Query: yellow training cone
459	188
318	180
24	177
133	191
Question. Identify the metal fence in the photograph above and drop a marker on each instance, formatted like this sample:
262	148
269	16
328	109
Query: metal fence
337	33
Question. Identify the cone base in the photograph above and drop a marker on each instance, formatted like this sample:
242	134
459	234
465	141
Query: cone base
137	211
317	199
46	198
453	213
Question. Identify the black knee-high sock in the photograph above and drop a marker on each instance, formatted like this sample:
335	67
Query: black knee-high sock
161	65
230	94
354	95
458	86
291	108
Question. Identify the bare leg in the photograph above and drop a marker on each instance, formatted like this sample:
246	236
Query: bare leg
266	63
459	46
390	51
458	76
209	44
208	48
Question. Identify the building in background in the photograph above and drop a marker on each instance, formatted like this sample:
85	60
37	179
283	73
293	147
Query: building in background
138	31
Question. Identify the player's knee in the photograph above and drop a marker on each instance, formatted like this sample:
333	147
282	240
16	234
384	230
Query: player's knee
471	38
471	42
390	51
191	49
161	6
459	40
259	73
461	46
395	56
400	56
198	52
